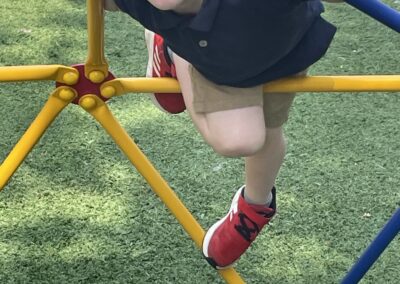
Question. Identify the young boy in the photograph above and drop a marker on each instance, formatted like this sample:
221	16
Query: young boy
222	52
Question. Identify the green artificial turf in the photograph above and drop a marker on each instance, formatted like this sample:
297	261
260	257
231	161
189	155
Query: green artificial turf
77	211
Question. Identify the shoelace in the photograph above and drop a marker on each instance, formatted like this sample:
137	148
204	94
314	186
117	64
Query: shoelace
247	227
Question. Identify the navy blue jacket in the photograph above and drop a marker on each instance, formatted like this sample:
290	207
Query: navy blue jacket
242	43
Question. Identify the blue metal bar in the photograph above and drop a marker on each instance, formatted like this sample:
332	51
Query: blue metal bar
379	11
378	245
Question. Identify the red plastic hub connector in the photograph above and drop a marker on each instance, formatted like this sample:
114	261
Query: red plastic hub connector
84	86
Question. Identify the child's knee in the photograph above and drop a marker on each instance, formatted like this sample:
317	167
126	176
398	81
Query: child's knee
237	143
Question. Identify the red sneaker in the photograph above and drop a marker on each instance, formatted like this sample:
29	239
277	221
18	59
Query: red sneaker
160	65
230	237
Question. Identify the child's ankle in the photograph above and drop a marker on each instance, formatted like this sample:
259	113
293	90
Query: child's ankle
264	202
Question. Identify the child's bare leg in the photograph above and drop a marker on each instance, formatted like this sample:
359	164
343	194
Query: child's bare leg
234	133
263	167
240	132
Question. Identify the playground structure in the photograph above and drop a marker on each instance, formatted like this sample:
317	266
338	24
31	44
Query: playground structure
91	85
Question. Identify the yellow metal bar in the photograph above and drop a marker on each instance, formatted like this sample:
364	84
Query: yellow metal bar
367	83
96	66
59	73
99	110
122	86
55	104
142	85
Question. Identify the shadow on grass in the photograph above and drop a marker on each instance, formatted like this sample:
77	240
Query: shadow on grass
77	211
63	248
77	154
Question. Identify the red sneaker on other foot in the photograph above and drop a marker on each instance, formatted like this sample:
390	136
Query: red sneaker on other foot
230	237
160	65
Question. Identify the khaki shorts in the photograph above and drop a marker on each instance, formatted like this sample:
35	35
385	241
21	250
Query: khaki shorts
210	97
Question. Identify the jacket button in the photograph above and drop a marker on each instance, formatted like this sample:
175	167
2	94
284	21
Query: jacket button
203	43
